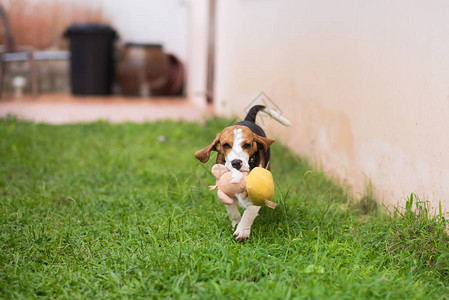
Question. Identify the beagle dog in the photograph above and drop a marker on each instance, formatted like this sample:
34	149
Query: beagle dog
241	148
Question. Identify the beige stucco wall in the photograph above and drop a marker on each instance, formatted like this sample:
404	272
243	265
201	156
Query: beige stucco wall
365	84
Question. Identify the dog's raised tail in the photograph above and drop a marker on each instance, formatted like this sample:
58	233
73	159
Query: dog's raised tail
252	114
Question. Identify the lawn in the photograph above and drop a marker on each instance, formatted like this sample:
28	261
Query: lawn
114	210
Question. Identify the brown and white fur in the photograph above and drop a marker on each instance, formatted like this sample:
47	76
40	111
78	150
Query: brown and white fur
240	148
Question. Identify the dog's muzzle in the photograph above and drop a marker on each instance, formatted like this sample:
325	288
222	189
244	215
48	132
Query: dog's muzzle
237	164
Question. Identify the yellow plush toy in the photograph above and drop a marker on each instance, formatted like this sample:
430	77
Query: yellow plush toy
260	187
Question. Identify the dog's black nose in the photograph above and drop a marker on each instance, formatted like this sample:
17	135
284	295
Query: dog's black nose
236	163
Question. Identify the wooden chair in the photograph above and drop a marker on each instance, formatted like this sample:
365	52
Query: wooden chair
10	52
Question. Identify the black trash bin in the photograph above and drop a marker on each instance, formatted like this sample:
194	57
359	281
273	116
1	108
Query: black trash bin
92	58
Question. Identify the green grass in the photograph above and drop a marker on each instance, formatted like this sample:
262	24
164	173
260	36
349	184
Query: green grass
101	210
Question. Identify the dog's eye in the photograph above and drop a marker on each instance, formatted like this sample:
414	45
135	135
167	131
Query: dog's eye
246	146
227	146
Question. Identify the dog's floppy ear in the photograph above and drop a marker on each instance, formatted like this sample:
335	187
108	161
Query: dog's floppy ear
263	141
203	154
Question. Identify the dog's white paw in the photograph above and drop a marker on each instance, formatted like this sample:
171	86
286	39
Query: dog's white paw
236	218
242	234
234	214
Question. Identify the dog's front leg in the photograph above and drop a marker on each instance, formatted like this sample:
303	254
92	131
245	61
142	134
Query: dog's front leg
234	213
244	227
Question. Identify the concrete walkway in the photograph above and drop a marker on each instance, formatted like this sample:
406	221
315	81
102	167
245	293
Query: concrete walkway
60	109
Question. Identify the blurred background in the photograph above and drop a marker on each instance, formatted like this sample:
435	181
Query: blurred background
141	46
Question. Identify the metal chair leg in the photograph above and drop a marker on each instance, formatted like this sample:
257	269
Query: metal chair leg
33	71
2	73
